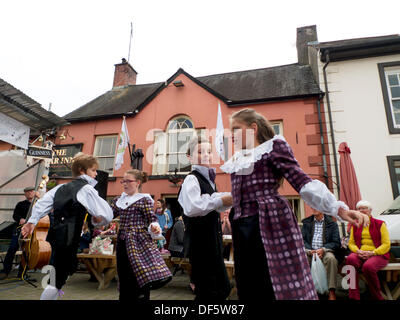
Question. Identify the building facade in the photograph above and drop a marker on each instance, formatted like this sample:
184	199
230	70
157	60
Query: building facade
162	117
361	79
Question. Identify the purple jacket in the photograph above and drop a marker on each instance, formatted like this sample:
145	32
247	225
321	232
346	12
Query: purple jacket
257	193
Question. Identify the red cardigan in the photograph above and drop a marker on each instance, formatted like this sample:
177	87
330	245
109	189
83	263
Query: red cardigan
375	232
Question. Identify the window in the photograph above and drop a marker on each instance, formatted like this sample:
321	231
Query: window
180	131
390	82
170	147
394	172
298	207
104	150
277	126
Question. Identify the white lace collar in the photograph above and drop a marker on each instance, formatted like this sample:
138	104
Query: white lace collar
125	200
243	160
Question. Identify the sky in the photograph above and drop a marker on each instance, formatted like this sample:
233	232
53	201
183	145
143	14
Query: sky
63	52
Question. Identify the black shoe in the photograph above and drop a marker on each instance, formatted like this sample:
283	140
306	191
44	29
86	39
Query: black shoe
159	283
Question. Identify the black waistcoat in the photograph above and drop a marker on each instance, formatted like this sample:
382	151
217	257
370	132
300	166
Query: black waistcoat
204	234
68	214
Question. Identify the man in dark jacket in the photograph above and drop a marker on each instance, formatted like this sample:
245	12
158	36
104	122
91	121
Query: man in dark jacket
19	216
321	236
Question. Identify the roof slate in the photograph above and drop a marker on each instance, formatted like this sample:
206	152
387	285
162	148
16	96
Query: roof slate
21	107
251	86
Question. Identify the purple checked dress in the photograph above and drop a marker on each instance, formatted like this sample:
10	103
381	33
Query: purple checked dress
145	259
255	176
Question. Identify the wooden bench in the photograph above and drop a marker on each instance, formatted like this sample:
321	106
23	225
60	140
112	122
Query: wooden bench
167	259
183	263
392	275
102	266
392	271
230	268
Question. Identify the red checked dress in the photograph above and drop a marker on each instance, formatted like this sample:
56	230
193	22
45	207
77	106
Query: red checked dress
146	261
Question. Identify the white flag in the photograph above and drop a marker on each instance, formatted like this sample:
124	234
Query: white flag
219	135
123	143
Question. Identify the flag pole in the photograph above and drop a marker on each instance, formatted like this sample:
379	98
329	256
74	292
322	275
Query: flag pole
130	40
129	145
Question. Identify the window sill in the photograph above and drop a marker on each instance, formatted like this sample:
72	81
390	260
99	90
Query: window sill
165	176
112	179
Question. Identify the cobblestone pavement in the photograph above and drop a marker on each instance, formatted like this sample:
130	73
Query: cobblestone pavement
78	287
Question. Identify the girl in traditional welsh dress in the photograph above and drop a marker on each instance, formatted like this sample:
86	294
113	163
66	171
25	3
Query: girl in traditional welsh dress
140	266
269	254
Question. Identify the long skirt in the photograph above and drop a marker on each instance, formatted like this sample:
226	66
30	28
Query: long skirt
252	276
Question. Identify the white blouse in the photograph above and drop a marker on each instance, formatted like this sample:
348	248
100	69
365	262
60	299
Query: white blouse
194	203
315	193
86	196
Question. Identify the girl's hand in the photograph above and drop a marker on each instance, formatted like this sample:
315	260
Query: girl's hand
155	229
354	217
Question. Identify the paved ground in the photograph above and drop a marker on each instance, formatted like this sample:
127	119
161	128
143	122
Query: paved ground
79	288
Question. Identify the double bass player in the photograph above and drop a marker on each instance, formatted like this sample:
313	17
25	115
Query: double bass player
70	202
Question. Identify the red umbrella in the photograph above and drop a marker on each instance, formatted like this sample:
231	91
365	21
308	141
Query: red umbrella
349	189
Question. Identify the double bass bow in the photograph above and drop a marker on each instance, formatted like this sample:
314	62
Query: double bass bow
36	250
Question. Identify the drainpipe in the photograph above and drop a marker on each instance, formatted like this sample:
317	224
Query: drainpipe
322	140
330	122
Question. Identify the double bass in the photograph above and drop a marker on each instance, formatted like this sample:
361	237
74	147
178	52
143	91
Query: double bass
36	251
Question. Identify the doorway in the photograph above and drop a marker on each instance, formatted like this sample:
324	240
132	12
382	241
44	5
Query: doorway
172	204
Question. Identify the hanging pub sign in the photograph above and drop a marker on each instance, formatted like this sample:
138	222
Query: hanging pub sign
62	159
34	153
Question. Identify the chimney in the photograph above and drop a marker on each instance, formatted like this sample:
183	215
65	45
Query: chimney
305	35
306	53
124	74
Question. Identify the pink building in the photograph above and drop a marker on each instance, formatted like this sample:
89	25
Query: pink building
159	114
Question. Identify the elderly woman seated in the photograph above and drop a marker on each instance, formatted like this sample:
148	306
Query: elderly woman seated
370	251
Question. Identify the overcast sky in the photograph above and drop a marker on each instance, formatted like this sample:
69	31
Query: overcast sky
63	52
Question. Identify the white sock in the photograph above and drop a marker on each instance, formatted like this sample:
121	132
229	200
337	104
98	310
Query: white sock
49	293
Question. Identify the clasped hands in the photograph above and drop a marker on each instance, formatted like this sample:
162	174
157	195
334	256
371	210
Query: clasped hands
364	255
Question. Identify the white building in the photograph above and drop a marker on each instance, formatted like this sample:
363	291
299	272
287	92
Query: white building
362	100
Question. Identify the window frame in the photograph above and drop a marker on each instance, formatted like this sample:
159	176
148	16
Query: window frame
280	124
301	209
111	174
177	131
393	175
386	96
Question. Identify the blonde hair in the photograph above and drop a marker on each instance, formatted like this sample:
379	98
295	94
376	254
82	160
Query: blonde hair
248	116
139	175
82	161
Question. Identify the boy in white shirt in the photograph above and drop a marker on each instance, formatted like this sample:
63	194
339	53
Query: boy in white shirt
70	202
200	202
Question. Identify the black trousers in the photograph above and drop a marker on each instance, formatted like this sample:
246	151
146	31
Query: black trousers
65	262
209	274
129	289
251	267
12	249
